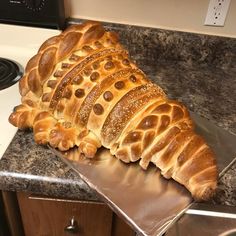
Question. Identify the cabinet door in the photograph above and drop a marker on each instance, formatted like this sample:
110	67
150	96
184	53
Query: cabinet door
50	217
120	228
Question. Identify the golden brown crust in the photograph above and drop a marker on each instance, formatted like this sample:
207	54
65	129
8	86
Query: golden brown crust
56	49
23	115
123	111
81	89
97	91
68	77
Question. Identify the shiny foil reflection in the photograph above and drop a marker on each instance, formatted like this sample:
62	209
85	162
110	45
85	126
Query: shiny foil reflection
147	201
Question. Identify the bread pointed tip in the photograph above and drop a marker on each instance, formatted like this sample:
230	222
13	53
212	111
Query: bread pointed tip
205	193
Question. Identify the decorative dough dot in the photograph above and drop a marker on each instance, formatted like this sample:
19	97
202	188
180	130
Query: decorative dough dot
98	109
78	80
109	65
133	78
119	84
108	96
52	83
46	97
79	93
126	62
94	76
96	65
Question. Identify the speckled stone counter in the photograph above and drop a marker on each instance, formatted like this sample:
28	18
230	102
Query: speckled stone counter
198	70
29	167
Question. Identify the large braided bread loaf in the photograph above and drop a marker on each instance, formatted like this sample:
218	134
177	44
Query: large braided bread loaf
81	89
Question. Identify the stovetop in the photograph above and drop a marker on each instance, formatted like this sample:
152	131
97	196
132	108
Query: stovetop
10	73
17	44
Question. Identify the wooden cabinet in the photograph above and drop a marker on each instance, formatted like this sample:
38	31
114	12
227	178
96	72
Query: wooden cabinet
60	217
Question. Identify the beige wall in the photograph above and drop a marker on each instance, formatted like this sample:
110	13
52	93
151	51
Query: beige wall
183	15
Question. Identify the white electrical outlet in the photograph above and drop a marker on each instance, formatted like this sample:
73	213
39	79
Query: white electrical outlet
217	11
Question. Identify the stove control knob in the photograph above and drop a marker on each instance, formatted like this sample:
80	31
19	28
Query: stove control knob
34	5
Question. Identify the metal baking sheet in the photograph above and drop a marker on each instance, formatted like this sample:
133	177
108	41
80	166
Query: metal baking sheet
147	201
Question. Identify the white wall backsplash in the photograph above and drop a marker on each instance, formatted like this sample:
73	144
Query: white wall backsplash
183	15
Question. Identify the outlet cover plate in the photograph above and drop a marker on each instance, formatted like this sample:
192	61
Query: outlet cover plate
216	13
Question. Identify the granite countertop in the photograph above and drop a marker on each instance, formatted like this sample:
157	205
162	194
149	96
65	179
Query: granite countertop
208	89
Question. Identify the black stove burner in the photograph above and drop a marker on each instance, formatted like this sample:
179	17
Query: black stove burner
10	73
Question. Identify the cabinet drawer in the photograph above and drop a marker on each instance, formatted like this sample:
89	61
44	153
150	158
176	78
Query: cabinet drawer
49	217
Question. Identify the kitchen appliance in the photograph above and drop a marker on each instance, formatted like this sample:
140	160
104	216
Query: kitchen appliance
17	45
41	13
10	73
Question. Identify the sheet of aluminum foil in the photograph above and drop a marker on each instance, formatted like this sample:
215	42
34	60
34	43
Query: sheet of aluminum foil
206	220
149	203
